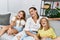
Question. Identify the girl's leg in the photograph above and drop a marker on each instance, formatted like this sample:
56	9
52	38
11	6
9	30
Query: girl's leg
3	30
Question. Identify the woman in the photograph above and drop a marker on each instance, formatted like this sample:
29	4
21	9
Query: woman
45	31
16	25
32	24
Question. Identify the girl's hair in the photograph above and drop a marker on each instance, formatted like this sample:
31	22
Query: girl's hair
34	9
48	26
24	14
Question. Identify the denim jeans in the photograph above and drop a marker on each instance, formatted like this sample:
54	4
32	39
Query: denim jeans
26	37
19	29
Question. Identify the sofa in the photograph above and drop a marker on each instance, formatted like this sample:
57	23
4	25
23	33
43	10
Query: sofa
5	36
5	20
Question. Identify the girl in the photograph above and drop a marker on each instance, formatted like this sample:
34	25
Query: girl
16	25
46	31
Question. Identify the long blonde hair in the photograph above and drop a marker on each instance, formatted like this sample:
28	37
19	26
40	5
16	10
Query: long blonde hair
48	26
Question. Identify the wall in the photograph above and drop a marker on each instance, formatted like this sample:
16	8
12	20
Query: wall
14	6
3	6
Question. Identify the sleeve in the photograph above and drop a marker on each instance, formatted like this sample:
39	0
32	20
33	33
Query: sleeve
27	25
53	34
22	22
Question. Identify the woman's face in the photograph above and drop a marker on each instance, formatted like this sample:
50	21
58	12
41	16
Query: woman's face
32	12
44	22
20	15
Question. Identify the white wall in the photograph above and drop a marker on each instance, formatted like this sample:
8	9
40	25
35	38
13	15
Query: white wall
3	6
14	6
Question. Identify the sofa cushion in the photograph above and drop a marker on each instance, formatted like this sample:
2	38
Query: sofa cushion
5	19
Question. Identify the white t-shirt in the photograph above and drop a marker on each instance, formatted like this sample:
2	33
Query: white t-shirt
31	25
18	22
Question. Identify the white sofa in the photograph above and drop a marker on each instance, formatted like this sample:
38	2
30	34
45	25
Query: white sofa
54	24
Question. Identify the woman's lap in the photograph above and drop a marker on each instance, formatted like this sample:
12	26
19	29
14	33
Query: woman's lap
23	36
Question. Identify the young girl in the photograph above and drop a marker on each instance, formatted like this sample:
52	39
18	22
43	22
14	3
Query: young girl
16	25
46	31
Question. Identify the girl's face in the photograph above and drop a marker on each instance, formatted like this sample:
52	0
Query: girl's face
44	22
32	12
20	15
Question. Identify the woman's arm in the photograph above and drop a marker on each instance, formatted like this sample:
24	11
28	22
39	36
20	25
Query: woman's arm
29	33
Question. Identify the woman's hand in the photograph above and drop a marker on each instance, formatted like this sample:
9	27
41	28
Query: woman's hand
36	38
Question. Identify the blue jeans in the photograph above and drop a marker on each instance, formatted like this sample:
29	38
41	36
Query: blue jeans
26	37
19	29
